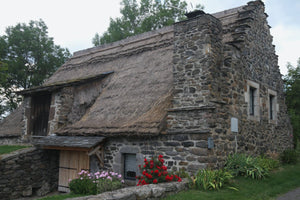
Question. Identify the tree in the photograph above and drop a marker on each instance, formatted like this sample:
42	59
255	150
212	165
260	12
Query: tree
292	90
28	56
139	18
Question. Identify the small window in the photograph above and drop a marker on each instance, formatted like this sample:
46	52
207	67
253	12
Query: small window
130	166
271	105
252	99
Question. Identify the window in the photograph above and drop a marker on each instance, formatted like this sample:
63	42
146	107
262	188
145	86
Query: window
130	166
272	105
253	101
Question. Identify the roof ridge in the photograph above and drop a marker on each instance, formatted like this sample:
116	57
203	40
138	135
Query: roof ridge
123	42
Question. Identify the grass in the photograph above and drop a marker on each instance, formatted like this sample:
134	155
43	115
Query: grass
10	148
61	197
283	180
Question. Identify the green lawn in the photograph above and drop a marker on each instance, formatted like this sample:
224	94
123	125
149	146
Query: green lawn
10	148
61	197
280	182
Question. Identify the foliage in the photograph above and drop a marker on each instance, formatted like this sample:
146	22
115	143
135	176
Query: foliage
27	57
61	196
267	163
248	166
289	156
292	91
142	16
4	149
95	183
154	171
279	182
207	179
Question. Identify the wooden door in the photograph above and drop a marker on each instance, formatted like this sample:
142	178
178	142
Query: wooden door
70	164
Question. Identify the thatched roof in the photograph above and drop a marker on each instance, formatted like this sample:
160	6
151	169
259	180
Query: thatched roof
138	94
136	99
12	125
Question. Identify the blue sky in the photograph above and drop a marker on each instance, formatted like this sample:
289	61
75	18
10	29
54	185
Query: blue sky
73	23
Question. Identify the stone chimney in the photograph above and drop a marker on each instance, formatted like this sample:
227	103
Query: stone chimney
196	70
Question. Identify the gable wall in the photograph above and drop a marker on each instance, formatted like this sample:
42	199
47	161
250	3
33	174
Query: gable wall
251	61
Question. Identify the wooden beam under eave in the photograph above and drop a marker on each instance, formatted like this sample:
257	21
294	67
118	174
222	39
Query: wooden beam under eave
67	148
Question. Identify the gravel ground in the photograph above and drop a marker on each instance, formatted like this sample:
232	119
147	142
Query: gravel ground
291	195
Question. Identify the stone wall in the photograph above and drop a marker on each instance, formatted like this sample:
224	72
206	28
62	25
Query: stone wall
187	151
7	139
152	191
211	84
199	110
253	60
28	172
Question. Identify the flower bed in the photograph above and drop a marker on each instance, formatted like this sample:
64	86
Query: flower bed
95	183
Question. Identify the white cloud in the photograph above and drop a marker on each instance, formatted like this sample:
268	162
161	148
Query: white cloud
287	42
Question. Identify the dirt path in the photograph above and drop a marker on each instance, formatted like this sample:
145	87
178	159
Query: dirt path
291	195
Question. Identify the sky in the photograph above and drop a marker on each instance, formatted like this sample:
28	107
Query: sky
73	23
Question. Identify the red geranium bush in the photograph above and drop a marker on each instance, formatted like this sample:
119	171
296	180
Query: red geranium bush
154	171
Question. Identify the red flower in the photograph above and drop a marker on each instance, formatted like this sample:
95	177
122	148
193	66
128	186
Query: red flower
179	179
145	160
149	176
144	182
144	172
156	171
155	181
169	178
164	168
160	156
145	166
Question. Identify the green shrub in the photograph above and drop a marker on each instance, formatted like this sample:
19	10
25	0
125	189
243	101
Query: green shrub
248	166
83	185
267	163
95	183
207	179
289	156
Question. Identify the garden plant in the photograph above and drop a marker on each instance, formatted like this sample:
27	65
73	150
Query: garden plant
154	171
95	183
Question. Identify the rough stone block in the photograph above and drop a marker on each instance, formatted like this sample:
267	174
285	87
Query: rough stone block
198	151
27	192
187	144
173	144
202	144
158	192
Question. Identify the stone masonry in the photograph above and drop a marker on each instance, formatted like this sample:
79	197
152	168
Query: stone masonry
28	172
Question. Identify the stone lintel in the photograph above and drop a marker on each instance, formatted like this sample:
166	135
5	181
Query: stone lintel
188	131
192	108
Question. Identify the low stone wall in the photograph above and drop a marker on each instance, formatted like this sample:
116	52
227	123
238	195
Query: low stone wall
7	139
28	172
152	191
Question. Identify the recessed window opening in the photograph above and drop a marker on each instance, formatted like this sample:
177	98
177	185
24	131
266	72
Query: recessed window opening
272	106
252	99
130	166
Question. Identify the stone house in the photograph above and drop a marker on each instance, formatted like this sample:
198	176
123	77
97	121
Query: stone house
194	92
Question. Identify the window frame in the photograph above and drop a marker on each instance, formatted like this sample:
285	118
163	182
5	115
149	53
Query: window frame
252	98
124	166
273	106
